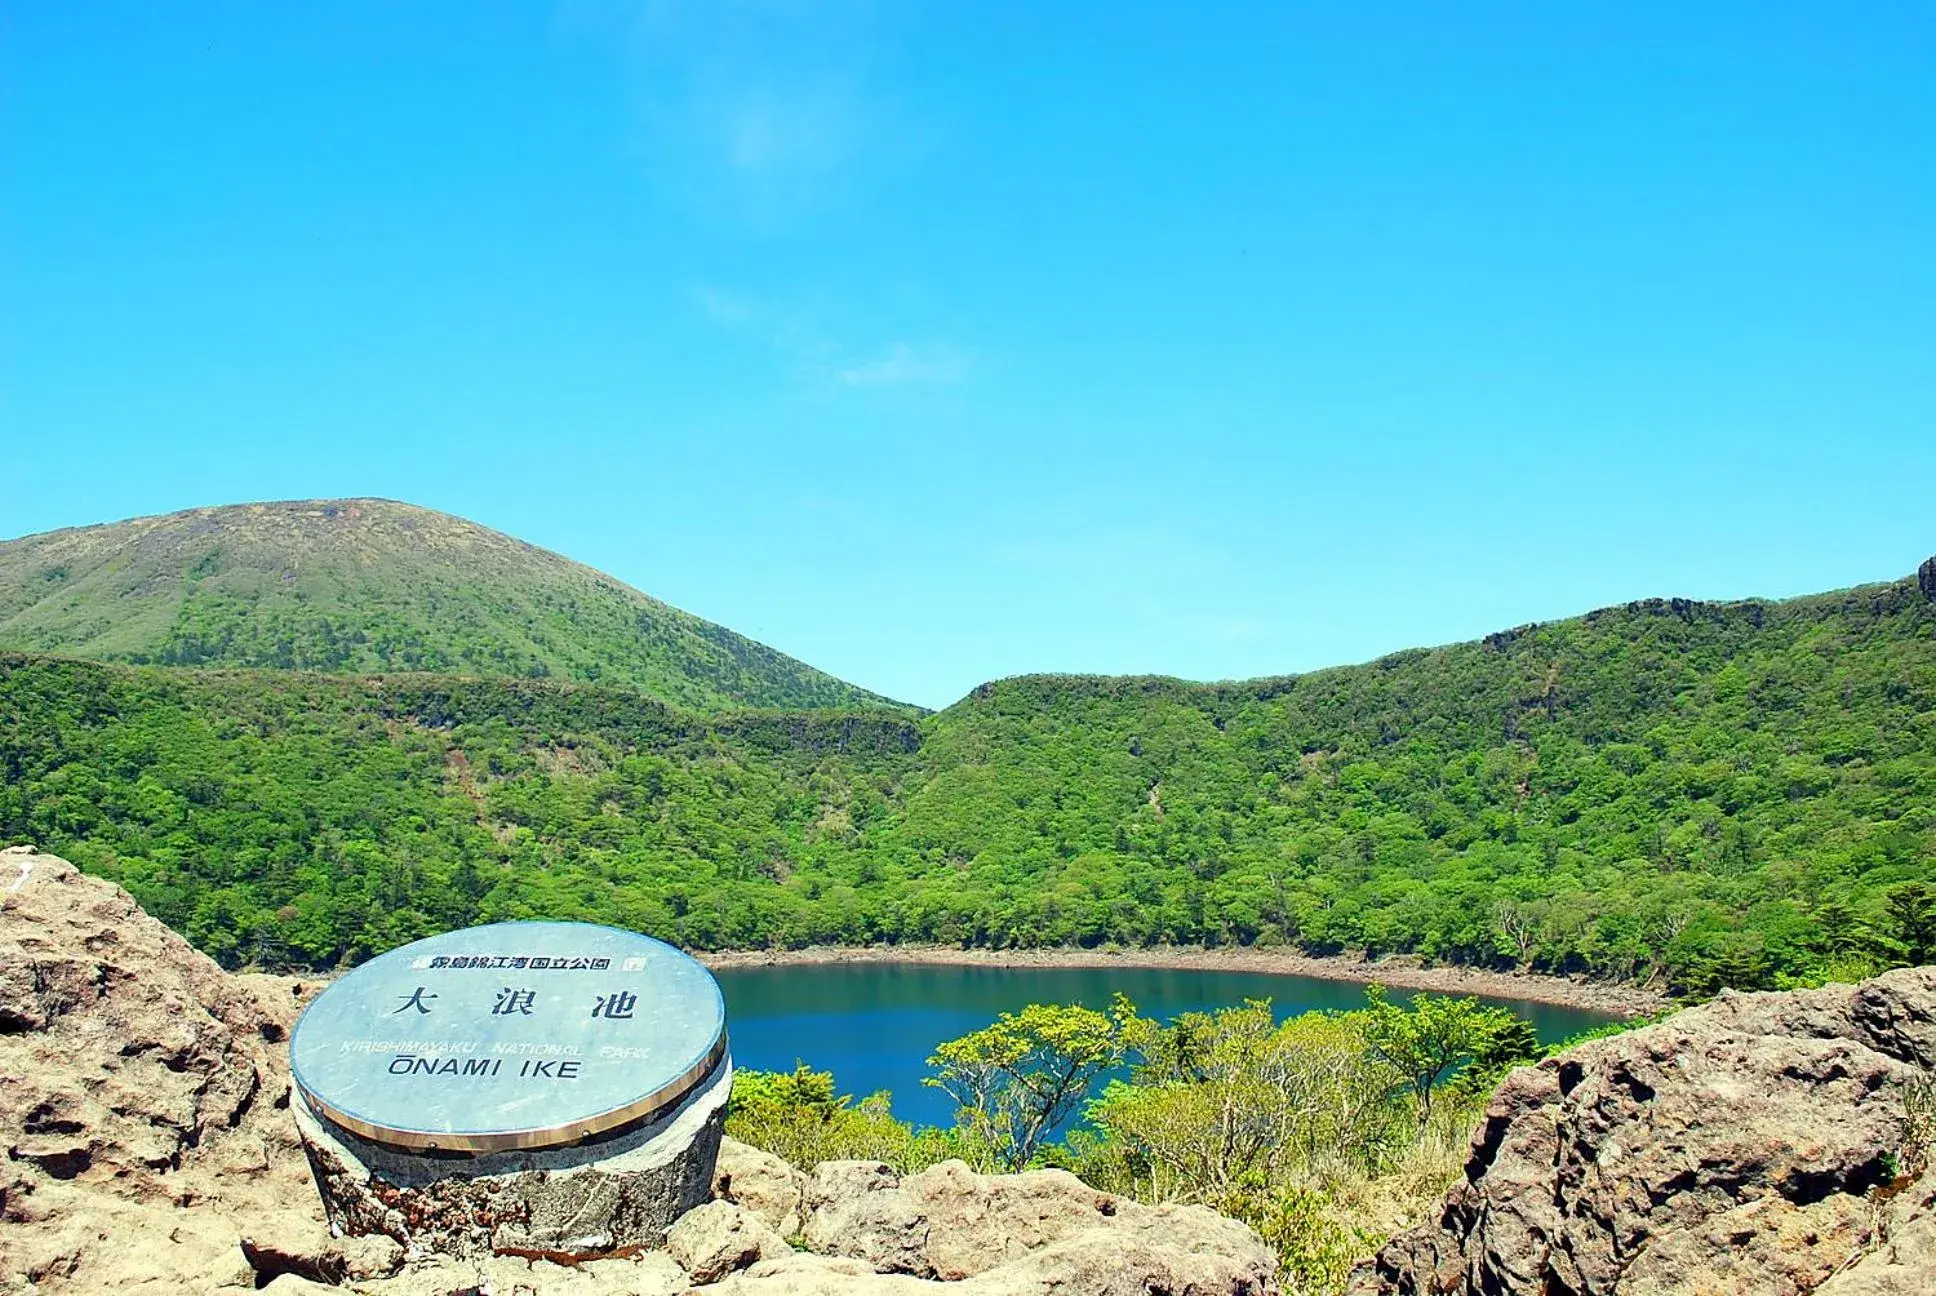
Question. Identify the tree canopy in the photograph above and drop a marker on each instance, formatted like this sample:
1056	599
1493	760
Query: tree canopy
1690	795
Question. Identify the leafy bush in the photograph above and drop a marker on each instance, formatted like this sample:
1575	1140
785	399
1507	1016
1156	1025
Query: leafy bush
1313	1130
797	1116
1315	1249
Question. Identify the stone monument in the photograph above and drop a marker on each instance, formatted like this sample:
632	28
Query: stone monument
532	1088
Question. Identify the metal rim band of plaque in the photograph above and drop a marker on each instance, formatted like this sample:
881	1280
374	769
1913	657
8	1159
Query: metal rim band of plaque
513	1036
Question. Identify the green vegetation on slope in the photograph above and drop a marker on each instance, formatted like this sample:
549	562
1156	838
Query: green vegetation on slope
1689	794
368	585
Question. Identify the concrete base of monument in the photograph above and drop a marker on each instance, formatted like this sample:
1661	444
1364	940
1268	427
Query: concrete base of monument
612	1195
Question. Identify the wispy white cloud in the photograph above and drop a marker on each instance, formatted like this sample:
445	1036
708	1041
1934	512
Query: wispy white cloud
817	355
725	307
770	134
905	364
755	110
795	332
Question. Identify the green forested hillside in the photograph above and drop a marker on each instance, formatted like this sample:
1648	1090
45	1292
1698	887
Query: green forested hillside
1696	794
369	585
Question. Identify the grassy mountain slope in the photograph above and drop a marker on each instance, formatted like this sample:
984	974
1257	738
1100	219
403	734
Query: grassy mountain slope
1701	794
370	585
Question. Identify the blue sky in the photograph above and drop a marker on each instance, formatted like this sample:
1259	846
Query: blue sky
938	343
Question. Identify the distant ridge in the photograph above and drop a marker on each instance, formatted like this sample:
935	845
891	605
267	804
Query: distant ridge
1678	794
372	585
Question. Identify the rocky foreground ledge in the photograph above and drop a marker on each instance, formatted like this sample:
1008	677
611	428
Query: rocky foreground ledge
1762	1143
144	1110
1774	1143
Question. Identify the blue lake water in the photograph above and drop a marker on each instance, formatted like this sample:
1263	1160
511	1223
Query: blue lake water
874	1024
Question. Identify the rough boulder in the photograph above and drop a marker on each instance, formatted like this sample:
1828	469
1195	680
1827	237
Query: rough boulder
1761	1143
143	1104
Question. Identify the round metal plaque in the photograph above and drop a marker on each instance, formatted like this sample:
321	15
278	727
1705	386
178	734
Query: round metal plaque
515	1035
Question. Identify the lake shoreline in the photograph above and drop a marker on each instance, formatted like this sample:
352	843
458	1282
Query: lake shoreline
1399	972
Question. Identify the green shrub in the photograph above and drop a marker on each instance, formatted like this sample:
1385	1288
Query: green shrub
797	1116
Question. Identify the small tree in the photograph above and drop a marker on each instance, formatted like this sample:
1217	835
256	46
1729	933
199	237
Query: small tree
1230	1101
1017	1080
1434	1036
797	1116
1911	917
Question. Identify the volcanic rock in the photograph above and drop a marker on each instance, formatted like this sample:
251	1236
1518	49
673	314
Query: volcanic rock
1765	1142
712	1240
143	1101
763	1184
949	1223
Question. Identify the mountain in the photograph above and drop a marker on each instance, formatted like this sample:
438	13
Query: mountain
365	586
1680	793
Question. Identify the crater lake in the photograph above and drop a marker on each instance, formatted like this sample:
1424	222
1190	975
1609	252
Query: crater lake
874	1025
